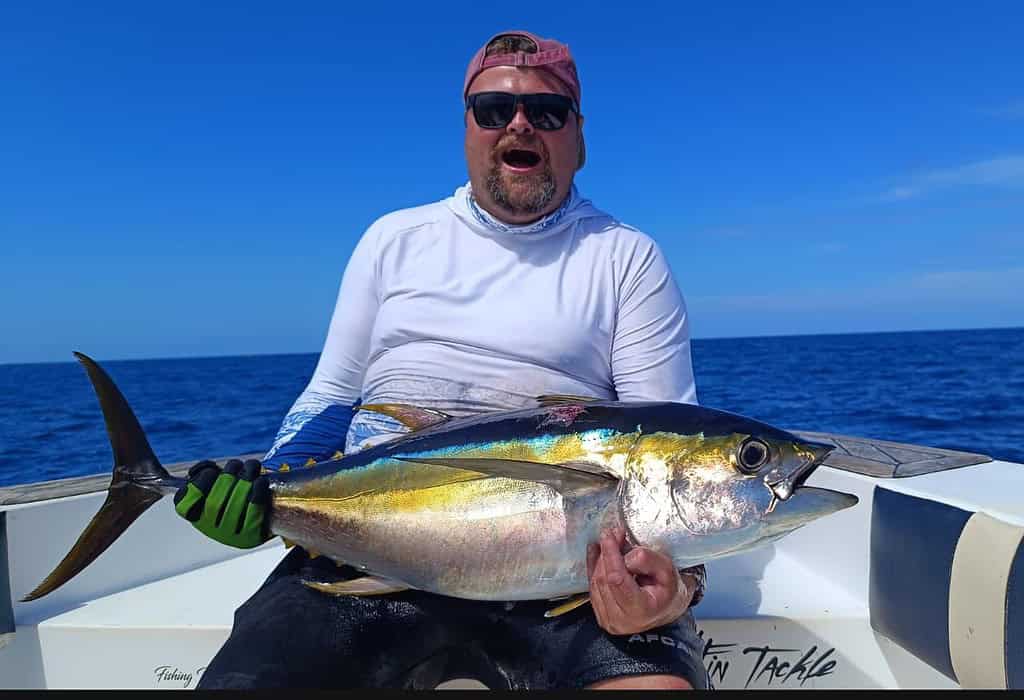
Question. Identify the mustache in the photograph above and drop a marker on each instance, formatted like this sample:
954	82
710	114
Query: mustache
514	142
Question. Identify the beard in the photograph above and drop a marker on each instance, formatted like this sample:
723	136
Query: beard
521	193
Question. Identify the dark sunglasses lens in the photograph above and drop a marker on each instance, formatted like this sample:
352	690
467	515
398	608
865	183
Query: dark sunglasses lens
547	112
493	110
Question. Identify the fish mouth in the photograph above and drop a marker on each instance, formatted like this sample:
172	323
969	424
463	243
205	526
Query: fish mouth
783	487
810	504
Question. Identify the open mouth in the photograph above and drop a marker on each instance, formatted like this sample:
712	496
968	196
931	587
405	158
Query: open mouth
520	158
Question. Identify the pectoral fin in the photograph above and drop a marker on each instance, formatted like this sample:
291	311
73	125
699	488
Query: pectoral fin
568	606
367	585
412	417
560	476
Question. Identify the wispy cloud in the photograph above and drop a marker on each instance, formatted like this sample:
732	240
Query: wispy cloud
1007	171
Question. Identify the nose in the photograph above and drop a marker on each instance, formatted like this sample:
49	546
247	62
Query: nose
520	124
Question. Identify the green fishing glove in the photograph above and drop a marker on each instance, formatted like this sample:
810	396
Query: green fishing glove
228	505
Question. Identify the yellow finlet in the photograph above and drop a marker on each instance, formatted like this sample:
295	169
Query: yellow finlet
284	467
288	544
309	462
568	606
338	455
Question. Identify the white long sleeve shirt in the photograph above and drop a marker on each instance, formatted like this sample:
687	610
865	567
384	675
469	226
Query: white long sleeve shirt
439	309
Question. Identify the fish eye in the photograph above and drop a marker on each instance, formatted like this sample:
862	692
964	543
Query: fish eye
751	455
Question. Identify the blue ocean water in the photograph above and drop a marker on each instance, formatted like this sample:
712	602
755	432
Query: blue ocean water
952	389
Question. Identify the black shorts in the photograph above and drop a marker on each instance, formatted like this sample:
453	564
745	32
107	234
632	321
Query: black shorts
287	635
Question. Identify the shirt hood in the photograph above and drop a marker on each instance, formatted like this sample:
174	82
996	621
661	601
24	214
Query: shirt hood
573	210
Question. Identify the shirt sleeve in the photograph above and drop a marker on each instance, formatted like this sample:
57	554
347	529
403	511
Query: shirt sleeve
650	355
651	345
317	423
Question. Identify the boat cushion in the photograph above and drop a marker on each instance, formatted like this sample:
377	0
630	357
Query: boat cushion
947	584
1015	622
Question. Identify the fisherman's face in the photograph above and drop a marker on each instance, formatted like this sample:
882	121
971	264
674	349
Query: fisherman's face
508	185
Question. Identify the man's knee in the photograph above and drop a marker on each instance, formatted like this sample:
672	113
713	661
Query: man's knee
643	682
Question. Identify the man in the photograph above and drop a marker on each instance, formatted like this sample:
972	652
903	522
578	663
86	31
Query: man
513	287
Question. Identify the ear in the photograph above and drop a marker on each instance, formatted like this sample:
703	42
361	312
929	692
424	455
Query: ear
581	146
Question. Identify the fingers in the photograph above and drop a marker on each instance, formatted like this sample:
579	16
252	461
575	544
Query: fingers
251	469
229	505
216	500
647	562
620	603
190	499
205	477
668	595
664	592
234	511
239	513
593	552
233	467
201	466
620	582
260	494
598	599
614	593
611	557
255	525
245	507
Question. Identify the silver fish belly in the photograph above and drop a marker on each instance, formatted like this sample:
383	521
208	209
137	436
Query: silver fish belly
488	538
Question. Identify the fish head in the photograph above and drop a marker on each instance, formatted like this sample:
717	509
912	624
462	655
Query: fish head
701	495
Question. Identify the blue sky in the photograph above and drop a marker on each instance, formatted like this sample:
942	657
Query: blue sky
189	178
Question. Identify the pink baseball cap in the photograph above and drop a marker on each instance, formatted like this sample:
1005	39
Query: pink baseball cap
551	56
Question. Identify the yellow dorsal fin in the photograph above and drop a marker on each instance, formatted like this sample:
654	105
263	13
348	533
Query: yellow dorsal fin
563	399
568	606
412	417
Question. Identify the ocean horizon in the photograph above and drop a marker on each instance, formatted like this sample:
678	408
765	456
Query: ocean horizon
71	359
955	389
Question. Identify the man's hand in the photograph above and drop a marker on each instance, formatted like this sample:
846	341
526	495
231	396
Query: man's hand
228	505
636	592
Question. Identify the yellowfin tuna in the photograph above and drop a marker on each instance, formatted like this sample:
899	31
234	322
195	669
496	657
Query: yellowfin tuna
502	506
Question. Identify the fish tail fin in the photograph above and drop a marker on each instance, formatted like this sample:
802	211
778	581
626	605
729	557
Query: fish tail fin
137	479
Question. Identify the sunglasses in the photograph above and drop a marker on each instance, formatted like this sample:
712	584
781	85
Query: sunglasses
546	111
